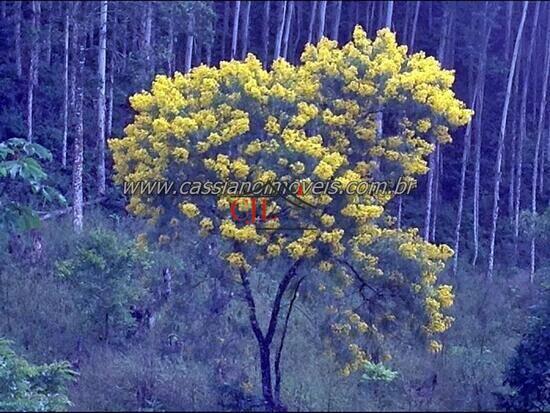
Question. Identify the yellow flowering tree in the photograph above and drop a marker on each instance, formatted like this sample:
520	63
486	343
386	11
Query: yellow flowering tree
366	111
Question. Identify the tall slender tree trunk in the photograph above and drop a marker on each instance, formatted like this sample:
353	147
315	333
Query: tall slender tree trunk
126	23
110	98
436	194
487	28
433	173
502	134
48	48
78	155
540	129
406	23
513	146
507	42
336	22
234	38
352	20
312	21
429	196
322	18
101	59
372	27
208	52
189	41
446	59
389	13
523	127
288	23
65	86
465	156
415	22
148	38
478	123
18	18
246	18
33	67
226	12
298	37
170	57
265	31
280	30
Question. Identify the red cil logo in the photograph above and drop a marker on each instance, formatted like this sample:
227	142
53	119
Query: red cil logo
253	202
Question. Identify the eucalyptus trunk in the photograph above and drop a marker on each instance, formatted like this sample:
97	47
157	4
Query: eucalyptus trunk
500	149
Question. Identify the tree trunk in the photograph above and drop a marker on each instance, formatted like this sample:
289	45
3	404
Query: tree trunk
366	24
170	57
523	127
33	67
189	40
406	23
65	86
436	194
507	42
513	146
399	211
389	14
78	156
540	129
265	32
465	156
487	28
109	127
101	59
226	12
502	134
312	21
272	403
478	123
372	26
125	45
148	38
336	22
235	29
267	387
246	18
48	51
18	18
298	37
322	17
413	29
288	23
277	364
280	29
433	161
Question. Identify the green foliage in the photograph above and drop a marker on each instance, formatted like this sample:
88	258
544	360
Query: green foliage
22	182
28	387
378	372
105	273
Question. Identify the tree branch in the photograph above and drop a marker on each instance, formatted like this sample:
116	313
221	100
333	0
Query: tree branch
281	344
251	307
358	276
277	302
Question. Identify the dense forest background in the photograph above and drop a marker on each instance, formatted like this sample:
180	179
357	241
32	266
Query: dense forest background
176	337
